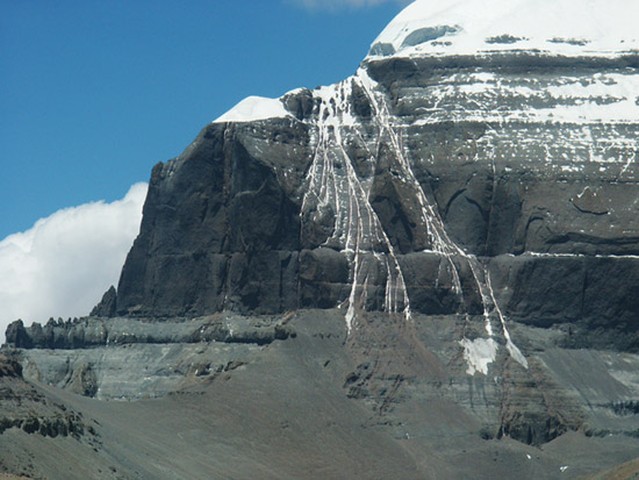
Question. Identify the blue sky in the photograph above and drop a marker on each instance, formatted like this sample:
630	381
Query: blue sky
93	93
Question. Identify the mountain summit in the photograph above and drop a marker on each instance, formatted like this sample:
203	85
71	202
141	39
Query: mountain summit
429	265
551	27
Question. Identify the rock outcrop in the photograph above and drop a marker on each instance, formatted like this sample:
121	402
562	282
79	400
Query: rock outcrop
92	332
23	407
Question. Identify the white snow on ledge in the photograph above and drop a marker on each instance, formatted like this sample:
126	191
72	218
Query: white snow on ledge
254	108
479	353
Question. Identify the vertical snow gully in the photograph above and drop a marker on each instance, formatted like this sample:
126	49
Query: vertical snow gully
335	188
357	231
480	352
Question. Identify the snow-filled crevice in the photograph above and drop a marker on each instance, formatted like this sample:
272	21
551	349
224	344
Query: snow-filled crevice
339	189
335	188
442	244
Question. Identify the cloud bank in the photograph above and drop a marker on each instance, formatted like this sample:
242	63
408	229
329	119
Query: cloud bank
65	262
340	4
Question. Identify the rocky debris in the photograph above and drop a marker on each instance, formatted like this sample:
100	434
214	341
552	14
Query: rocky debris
627	470
535	409
356	381
83	381
10	367
628	407
23	407
67	425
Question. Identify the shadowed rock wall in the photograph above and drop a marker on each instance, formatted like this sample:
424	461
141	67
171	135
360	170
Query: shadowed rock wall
381	191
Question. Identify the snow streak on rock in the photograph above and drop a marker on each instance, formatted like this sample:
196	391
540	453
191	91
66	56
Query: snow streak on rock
577	97
338	190
443	245
440	241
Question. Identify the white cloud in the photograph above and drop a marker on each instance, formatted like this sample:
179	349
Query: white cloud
338	4
65	262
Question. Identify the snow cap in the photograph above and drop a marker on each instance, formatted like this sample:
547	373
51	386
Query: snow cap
469	27
254	108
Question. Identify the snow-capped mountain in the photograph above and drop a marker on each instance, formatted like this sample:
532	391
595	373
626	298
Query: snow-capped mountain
462	211
546	27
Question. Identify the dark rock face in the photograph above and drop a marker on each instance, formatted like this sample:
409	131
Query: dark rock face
394	192
220	231
56	334
593	298
107	306
360	193
17	335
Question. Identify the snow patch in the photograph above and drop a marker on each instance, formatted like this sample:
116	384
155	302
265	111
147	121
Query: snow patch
254	108
479	353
